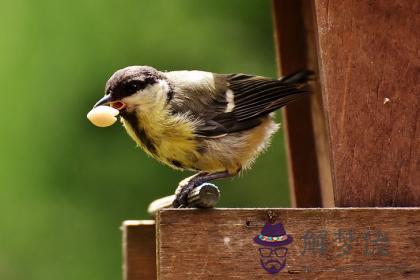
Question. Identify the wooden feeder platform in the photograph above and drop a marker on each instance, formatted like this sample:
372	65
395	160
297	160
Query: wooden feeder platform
354	162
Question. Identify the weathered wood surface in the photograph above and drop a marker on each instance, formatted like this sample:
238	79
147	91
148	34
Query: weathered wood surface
306	136
139	250
369	68
327	243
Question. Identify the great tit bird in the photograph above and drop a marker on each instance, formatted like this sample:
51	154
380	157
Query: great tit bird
214	124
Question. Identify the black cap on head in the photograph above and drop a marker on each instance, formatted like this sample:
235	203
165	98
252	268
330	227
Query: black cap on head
129	80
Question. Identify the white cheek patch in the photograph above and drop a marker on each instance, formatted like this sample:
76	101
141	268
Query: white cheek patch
158	92
152	96
163	90
230	100
133	100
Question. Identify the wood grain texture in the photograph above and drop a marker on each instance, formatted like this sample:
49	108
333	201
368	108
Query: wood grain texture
305	131
370	70
218	243
139	250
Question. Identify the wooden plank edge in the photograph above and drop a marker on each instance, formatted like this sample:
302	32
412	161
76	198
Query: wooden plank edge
124	228
287	209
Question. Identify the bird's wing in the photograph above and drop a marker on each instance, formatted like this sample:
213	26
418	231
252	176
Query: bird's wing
235	102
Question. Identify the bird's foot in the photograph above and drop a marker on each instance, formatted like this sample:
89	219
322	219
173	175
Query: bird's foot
190	183
184	188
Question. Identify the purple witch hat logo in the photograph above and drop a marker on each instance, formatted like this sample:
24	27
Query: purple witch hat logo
273	239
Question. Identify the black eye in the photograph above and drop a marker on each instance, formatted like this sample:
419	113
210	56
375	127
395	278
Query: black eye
132	87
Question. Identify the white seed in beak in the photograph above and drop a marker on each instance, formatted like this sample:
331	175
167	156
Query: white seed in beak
103	116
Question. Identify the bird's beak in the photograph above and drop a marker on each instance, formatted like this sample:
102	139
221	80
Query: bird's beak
104	100
108	99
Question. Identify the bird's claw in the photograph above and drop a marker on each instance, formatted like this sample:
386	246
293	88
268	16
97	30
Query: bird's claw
181	195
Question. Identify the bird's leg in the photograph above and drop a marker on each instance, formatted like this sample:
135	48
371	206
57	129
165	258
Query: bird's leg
188	184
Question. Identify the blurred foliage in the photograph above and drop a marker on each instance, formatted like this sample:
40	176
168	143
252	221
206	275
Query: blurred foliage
66	186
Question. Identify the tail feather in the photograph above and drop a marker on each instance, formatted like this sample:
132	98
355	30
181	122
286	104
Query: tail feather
301	76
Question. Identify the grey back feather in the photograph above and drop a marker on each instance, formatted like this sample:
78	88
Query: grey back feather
205	98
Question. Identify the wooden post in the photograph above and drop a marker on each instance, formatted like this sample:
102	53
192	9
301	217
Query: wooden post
139	250
365	140
306	136
369	70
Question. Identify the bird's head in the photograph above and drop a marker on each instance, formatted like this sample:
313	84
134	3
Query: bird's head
135	87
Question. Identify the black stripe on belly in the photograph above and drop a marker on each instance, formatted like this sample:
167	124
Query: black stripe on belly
177	163
140	133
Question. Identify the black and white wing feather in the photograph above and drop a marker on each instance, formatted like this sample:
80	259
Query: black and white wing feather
238	102
256	96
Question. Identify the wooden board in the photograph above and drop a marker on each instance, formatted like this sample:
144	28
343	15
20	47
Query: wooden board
326	243
139	250
304	123
369	68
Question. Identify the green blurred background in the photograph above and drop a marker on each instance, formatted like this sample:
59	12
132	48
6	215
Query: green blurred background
66	185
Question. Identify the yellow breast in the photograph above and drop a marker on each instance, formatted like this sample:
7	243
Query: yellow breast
166	137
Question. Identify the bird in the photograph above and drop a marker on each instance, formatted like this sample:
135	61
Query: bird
213	124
